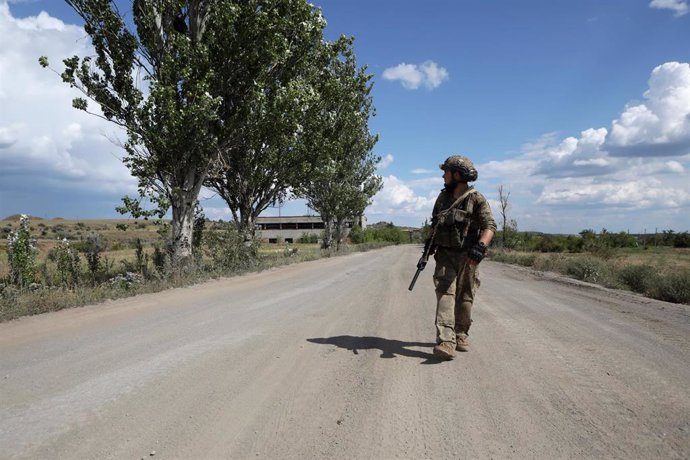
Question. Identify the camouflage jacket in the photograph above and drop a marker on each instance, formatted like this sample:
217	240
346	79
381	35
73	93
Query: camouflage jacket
462	226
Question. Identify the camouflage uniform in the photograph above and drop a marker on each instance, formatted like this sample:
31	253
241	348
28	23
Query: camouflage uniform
457	280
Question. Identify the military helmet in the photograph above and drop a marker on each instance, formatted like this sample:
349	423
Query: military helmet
461	164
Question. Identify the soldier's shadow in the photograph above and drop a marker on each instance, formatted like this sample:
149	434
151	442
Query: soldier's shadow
389	348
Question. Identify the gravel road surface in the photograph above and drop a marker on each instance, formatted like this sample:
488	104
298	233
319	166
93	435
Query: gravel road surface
332	359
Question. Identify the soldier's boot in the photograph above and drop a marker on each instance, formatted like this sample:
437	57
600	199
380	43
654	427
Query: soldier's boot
444	350
462	342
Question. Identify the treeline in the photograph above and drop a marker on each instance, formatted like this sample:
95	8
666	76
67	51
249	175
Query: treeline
588	241
386	233
245	97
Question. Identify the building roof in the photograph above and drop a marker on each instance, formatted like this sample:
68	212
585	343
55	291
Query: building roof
287	219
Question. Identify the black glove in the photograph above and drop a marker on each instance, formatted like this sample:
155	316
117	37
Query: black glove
477	252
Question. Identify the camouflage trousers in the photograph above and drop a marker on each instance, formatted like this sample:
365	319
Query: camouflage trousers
456	283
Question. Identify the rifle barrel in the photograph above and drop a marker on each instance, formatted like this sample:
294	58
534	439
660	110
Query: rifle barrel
414	280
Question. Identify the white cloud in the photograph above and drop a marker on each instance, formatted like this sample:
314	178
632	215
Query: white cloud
412	76
399	199
44	142
674	167
679	6
661	125
421	171
385	162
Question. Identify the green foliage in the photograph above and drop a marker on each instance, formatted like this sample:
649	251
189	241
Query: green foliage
170	116
21	254
94	245
309	238
682	240
227	249
357	235
342	181
271	53
68	264
637	278
385	234
672	287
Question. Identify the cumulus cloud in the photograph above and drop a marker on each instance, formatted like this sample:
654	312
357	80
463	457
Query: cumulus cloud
661	125
385	162
399	199
680	7
421	171
412	76
44	142
573	157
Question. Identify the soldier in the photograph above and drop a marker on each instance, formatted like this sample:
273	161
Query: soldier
465	229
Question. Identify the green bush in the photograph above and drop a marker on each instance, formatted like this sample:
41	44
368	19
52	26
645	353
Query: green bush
551	263
309	238
21	254
68	264
671	287
227	249
587	269
638	278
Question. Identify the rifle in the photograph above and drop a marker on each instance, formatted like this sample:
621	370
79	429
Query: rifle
421	264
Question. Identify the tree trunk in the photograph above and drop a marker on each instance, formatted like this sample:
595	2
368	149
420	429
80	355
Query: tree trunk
339	224
183	202
182	231
327	232
247	222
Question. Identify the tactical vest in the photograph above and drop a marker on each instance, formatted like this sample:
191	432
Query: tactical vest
454	223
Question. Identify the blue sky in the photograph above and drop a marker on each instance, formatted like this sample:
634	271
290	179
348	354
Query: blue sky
580	108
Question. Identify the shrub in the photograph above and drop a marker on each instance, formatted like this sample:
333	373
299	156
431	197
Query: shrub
227	249
672	287
587	269
68	264
637	278
21	254
551	263
311	238
94	245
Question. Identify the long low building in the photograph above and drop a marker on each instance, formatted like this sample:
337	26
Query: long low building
291	229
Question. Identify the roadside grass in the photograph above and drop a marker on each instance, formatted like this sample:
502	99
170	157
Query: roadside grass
116	280
659	273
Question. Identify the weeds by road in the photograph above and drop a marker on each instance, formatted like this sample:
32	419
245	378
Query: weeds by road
662	274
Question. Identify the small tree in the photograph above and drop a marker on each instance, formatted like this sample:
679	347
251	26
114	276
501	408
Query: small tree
93	247
67	263
21	254
503	197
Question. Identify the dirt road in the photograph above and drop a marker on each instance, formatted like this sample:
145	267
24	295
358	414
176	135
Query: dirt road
332	359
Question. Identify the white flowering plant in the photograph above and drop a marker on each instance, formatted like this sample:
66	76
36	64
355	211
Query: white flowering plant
21	254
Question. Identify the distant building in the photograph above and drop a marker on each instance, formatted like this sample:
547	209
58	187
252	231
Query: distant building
291	228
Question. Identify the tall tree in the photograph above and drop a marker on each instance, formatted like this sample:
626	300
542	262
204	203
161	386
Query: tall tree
343	181
263	117
168	113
